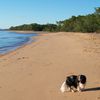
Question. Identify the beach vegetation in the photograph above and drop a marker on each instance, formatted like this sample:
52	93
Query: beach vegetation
82	23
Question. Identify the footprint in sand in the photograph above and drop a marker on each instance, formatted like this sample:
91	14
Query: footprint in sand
98	97
22	58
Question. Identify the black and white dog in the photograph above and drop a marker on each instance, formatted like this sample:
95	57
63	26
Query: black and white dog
74	83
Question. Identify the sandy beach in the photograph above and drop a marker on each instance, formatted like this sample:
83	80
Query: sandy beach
37	70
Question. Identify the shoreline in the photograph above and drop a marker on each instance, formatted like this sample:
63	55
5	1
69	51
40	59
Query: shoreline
13	49
29	42
28	32
32	39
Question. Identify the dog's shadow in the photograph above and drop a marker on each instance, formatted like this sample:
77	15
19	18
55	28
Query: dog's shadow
92	89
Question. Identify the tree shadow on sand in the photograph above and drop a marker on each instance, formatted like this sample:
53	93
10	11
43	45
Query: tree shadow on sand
92	89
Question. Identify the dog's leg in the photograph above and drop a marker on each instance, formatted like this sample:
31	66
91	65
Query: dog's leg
78	89
73	89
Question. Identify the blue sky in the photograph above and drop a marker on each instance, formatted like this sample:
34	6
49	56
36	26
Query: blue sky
17	12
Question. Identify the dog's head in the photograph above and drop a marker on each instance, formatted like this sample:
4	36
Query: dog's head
81	81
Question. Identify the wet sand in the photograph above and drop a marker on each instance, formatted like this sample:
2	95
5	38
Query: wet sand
36	71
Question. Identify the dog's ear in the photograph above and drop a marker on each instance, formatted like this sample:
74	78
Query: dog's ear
82	78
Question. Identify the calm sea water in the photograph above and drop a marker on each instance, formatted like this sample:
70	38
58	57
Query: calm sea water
11	40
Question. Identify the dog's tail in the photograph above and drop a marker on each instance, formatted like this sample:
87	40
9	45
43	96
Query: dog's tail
63	87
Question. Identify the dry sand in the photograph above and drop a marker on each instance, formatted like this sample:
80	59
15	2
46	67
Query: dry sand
36	71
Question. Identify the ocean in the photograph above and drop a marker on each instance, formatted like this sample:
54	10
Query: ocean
10	41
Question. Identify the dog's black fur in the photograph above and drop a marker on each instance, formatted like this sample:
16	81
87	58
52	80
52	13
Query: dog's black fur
82	79
73	81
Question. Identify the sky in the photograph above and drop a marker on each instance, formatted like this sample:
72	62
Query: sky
18	12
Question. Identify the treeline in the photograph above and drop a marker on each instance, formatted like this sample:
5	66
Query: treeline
35	27
87	23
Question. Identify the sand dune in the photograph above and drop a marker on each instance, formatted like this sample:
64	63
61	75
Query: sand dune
36	71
